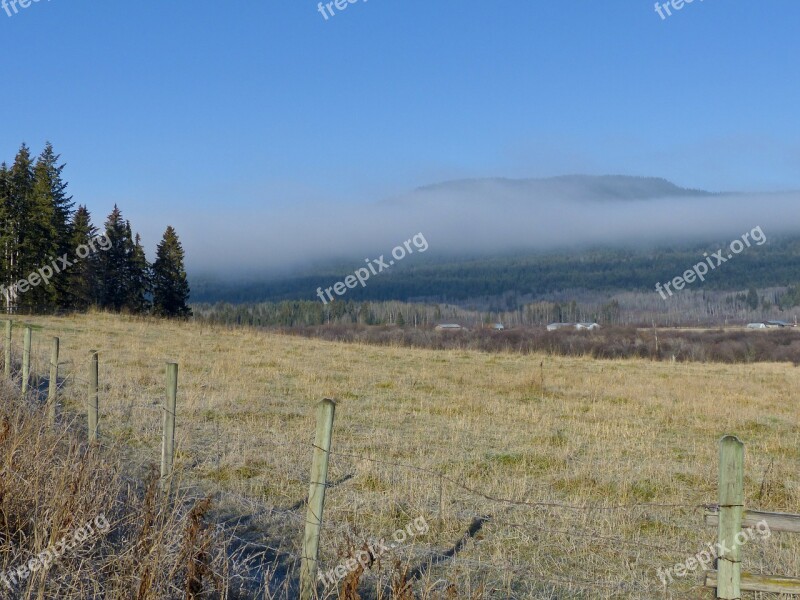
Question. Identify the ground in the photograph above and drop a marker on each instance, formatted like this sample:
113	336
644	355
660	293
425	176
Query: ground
478	445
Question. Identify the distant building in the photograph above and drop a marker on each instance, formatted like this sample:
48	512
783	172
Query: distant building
578	326
756	325
450	327
776	324
498	327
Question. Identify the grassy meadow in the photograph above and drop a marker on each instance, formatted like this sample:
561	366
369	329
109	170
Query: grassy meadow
487	448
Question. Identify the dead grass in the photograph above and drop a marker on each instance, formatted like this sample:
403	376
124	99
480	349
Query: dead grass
585	433
67	505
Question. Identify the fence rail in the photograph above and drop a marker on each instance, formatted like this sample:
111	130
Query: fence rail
732	520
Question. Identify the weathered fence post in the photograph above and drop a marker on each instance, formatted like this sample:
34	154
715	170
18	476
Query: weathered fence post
52	390
168	442
7	367
316	498
26	359
731	508
93	399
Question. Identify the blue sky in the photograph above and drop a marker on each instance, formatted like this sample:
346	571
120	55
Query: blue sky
175	107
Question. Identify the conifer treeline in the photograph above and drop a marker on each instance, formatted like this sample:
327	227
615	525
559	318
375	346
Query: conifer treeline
54	258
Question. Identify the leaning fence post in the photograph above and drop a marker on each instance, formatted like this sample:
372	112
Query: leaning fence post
316	498
7	367
93	399
26	359
731	508
168	442
52	390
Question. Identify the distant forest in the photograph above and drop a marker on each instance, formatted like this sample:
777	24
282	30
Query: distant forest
695	308
411	325
511	282
54	258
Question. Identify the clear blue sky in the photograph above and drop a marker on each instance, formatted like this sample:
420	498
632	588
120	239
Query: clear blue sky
175	106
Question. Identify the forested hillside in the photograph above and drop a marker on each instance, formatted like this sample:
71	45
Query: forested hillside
532	276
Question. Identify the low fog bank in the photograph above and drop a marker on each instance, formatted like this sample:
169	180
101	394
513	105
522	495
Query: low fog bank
481	217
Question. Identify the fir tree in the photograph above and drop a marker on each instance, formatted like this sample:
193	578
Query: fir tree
41	240
49	177
752	298
5	227
170	286
23	225
139	277
82	277
113	264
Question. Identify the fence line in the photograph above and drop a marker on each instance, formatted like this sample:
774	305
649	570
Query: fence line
319	449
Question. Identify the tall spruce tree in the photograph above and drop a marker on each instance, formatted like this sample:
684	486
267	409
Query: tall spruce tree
29	230
170	285
18	183
82	290
49	177
113	264
42	244
5	229
139	277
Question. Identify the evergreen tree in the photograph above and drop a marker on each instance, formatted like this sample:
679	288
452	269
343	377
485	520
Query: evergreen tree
5	228
41	242
139	277
170	286
752	298
38	226
16	183
50	180
113	264
23	225
82	277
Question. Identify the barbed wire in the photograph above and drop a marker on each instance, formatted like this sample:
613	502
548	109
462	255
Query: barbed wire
447	478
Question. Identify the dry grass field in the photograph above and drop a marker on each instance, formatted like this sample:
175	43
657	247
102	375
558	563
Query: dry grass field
539	477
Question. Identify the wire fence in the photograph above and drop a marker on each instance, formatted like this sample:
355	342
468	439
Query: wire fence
505	539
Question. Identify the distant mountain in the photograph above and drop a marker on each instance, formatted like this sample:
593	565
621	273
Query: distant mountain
567	187
528	237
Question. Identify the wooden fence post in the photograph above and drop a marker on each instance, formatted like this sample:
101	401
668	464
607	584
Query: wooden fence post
316	499
7	367
731	508
52	390
26	359
93	396
168	442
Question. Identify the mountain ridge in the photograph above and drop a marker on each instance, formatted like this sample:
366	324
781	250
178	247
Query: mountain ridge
596	187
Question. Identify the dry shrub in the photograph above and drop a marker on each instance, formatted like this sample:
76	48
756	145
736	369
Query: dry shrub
401	586
53	485
733	346
196	552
